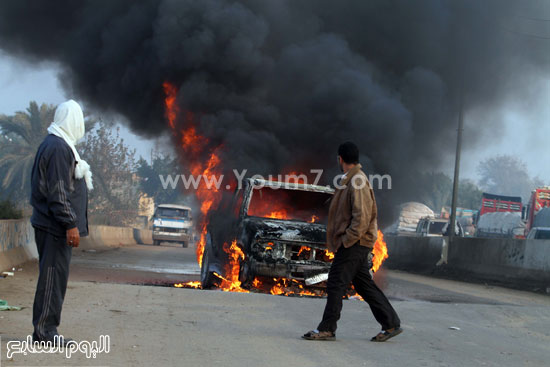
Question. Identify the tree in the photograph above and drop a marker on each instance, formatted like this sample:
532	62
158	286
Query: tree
22	133
150	182
469	195
435	189
115	198
506	175
9	211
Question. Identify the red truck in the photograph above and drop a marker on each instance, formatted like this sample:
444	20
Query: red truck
540	199
491	203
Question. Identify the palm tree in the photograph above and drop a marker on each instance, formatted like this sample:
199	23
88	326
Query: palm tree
21	134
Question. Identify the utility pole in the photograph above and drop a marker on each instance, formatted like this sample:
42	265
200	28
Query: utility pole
452	222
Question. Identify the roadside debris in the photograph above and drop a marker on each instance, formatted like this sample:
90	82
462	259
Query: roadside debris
5	307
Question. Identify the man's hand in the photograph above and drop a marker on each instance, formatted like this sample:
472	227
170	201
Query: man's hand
73	237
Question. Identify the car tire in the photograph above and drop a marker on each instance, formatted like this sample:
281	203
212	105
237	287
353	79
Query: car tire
207	276
185	244
245	275
156	243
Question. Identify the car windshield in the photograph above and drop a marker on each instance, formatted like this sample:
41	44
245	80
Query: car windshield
437	227
280	203
172	212
542	234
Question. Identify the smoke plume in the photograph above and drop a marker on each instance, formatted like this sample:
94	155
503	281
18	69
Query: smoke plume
281	83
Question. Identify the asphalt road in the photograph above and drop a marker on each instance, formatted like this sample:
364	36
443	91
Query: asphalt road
139	264
446	323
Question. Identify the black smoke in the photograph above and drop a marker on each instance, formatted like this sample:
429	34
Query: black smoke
281	83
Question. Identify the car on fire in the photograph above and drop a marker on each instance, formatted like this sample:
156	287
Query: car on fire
279	227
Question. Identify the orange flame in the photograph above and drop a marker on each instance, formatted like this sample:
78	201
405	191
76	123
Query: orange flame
380	252
195	285
277	289
277	214
195	148
172	108
236	255
329	255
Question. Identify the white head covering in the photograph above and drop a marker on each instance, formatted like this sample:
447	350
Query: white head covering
68	124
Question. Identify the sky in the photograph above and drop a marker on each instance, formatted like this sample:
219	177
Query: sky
21	83
525	125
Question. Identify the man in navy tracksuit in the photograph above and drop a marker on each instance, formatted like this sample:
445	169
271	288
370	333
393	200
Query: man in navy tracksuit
59	196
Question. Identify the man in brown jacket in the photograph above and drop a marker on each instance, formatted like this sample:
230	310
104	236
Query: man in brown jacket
351	233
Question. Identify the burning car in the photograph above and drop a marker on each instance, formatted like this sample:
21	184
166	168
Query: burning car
268	229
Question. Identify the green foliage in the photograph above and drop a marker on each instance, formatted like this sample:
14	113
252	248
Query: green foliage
20	136
22	133
435	189
115	198
150	182
9	211
469	195
506	175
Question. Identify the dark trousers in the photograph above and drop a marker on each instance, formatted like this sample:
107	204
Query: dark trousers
54	256
352	265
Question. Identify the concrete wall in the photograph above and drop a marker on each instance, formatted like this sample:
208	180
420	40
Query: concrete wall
100	236
502	260
143	236
16	243
413	253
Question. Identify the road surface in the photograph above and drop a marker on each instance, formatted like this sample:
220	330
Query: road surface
446	323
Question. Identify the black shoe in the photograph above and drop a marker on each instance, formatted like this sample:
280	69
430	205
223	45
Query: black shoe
55	340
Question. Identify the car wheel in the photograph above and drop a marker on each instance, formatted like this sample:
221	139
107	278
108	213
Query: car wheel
207	276
156	243
245	275
185	244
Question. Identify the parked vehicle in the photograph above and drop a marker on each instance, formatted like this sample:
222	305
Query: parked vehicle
279	227
491	203
539	233
500	225
436	227
500	217
172	223
539	202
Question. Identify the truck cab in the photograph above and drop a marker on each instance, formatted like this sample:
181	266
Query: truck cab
539	203
172	223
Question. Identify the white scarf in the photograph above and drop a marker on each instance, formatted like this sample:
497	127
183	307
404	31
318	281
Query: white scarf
68	124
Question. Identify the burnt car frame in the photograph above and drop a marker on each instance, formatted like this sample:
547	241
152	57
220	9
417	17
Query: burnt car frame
292	248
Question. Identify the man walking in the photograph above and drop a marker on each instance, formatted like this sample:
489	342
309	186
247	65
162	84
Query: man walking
351	233
60	181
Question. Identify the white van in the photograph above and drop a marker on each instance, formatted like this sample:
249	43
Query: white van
172	223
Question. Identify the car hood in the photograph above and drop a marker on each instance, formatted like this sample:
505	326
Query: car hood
172	222
285	230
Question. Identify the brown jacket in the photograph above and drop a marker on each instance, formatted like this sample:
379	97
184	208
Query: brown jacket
352	213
